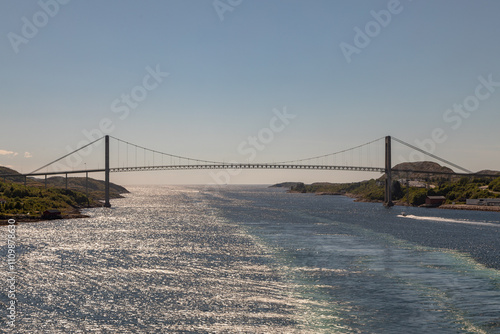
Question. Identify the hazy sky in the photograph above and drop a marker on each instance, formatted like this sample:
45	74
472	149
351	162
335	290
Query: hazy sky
199	77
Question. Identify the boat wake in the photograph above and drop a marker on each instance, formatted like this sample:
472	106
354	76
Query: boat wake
448	220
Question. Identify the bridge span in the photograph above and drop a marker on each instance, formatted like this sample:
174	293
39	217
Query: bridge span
196	164
247	166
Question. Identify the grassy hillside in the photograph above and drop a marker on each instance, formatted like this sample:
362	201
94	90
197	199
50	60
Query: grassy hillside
427	166
366	190
8	171
455	188
95	187
34	198
456	191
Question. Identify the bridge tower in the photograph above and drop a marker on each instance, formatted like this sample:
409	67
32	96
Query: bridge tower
106	173
388	177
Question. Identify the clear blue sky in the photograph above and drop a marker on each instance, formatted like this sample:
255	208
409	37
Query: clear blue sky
229	67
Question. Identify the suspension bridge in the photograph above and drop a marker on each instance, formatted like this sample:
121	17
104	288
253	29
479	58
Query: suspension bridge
364	161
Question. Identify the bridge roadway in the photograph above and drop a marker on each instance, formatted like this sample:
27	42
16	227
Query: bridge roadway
246	166
241	166
289	166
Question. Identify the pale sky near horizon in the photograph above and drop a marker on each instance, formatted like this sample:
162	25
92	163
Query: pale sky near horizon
349	71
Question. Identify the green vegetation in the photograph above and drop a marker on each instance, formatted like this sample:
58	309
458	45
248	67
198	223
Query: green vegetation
32	200
369	190
373	190
95	188
495	185
465	188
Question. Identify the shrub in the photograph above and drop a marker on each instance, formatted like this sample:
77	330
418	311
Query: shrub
418	197
495	184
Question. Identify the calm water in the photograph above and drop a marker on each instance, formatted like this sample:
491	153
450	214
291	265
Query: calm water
255	260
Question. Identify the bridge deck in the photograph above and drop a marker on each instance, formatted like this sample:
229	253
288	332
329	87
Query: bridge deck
241	166
247	166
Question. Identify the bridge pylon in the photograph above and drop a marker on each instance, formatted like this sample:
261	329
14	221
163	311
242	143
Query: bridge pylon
388	177
106	173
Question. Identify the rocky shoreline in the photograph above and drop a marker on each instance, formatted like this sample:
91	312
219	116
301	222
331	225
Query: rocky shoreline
470	207
358	198
68	214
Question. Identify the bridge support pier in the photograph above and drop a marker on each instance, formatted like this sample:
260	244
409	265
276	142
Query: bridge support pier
388	177
106	173
87	188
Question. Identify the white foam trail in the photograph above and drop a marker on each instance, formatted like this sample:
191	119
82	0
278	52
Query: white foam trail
448	220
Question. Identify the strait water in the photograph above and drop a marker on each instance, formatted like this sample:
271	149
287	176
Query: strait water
187	259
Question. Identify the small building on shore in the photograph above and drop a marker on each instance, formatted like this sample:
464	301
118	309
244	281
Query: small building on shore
434	201
413	183
51	214
483	201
